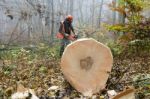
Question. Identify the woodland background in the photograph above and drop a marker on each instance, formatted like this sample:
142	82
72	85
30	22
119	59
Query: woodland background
29	49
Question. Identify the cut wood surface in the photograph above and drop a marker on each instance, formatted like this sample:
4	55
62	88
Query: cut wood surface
86	64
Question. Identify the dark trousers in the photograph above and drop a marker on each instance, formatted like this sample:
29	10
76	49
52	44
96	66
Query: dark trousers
64	43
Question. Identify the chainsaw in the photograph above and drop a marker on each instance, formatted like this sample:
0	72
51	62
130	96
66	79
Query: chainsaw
71	37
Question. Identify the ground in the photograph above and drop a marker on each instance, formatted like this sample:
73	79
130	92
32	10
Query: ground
43	72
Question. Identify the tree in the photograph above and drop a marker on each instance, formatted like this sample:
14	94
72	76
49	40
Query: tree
121	18
100	14
135	32
93	13
114	12
52	20
71	6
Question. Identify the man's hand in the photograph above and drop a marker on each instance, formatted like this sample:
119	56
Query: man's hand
75	36
66	35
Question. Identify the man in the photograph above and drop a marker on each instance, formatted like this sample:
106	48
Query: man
66	28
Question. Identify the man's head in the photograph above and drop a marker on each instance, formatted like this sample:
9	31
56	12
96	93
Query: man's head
69	18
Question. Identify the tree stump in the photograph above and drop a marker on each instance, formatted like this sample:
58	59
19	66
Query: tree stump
86	64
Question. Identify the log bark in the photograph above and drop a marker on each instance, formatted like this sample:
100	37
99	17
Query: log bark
126	94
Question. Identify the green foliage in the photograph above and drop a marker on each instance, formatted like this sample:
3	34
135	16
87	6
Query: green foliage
7	69
116	49
17	57
135	32
134	5
33	66
42	50
43	69
141	40
47	51
9	54
117	28
130	9
142	83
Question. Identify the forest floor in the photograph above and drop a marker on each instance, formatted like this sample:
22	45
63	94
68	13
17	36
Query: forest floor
40	73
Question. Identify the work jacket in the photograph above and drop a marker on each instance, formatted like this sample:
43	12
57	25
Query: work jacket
66	27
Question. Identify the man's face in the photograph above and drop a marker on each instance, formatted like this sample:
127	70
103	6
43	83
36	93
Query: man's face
71	21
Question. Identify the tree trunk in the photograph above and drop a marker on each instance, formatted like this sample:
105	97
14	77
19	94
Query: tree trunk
93	13
114	13
121	16
71	6
52	21
100	14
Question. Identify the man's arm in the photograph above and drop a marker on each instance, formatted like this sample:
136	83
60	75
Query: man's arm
75	35
72	29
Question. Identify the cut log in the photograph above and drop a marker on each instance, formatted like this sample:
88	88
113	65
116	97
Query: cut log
86	65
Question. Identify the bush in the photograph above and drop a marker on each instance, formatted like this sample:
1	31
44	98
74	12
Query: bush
116	49
135	33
